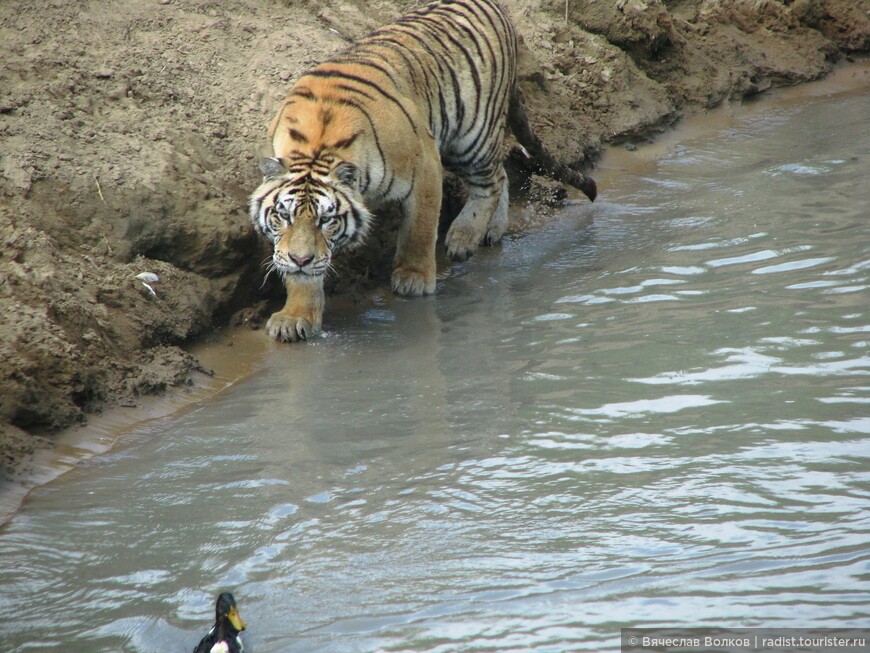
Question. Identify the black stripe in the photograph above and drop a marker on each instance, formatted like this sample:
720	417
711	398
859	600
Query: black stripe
436	29
297	136
303	93
477	9
362	61
495	89
337	74
364	52
362	110
411	188
435	33
358	91
489	185
344	143
391	178
437	60
506	36
497	61
388	41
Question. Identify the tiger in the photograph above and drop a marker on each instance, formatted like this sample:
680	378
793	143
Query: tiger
377	124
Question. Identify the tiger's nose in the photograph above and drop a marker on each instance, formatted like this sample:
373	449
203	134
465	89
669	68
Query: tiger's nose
301	260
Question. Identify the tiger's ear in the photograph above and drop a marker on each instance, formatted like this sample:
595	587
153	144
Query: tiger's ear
346	173
272	168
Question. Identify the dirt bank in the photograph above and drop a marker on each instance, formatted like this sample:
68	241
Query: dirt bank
130	134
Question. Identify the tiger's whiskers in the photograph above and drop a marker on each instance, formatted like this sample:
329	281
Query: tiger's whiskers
270	266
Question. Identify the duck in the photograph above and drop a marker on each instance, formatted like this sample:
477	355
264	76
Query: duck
224	635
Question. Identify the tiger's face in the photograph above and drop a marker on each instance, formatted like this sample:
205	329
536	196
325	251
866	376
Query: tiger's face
307	214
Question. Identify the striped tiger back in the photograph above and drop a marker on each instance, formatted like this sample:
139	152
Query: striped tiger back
458	60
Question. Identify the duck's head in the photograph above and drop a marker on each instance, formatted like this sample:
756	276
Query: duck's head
226	612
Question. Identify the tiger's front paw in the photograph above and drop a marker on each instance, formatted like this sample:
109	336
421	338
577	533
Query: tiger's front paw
494	233
412	283
461	241
285	327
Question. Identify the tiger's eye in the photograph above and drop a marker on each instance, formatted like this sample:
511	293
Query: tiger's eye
279	217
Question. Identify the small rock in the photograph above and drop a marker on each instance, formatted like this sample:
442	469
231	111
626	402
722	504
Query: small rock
148	277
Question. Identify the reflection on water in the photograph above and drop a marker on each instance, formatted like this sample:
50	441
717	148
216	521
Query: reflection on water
661	418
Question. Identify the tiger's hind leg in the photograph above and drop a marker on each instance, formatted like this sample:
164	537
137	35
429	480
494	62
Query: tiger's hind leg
484	217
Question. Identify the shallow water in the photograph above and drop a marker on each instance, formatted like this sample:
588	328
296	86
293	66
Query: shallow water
661	418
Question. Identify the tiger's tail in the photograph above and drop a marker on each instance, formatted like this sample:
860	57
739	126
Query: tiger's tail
541	161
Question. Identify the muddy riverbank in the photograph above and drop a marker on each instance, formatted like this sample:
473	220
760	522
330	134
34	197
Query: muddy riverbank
130	134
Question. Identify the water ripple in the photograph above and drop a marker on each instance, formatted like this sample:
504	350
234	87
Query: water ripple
658	419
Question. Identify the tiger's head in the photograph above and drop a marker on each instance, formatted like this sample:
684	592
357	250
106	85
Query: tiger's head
308	209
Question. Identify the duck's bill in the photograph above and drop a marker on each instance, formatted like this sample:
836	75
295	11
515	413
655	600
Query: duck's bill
236	619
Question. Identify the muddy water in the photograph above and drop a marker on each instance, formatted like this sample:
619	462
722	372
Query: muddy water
659	418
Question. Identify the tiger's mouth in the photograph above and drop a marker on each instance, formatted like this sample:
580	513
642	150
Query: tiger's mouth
301	273
299	268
